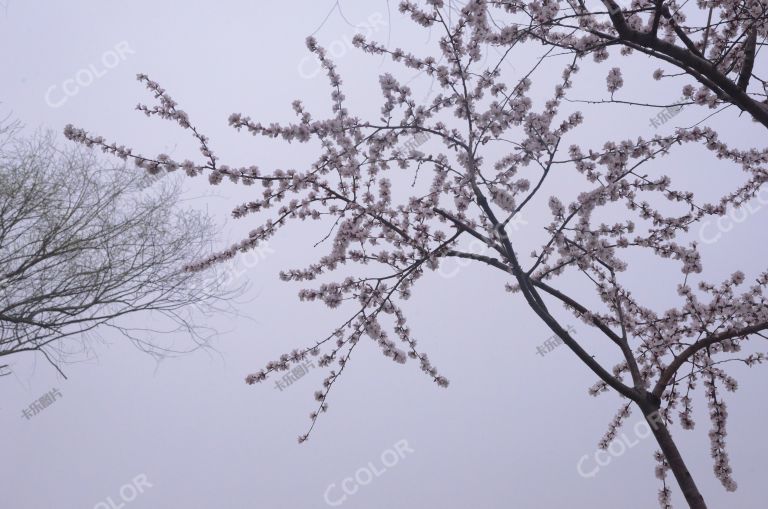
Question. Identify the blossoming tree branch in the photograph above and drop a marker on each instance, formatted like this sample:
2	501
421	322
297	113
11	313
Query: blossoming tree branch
391	215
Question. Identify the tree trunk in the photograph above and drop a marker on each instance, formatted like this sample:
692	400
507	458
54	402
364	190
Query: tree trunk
674	459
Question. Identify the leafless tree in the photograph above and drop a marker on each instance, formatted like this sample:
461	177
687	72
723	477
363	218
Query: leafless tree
81	246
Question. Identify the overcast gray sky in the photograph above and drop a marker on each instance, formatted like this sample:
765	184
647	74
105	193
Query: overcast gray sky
508	433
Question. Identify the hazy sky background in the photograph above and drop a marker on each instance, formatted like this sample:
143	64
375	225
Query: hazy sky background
509	430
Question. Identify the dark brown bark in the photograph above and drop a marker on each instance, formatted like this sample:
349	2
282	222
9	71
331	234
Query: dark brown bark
672	454
692	62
